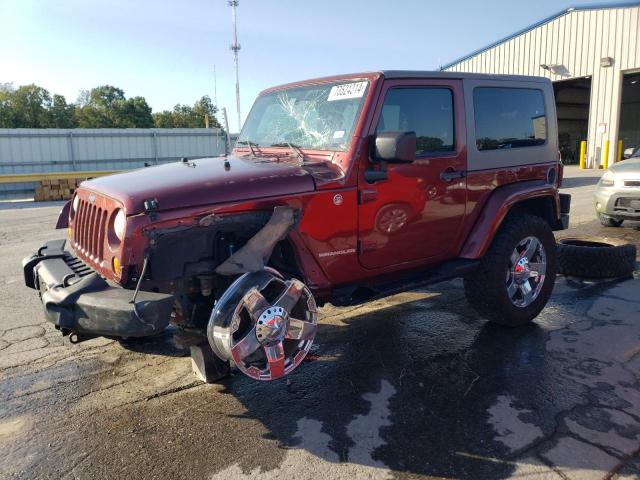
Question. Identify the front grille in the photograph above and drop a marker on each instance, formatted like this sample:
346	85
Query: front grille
628	204
90	226
632	183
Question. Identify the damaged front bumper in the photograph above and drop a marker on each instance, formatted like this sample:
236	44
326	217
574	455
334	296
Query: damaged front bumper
80	302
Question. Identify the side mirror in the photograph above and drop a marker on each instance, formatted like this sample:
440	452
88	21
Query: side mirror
628	153
398	147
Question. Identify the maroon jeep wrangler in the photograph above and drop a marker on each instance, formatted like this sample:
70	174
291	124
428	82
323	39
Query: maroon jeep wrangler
341	190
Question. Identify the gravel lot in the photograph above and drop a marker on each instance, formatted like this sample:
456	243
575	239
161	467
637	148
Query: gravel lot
414	386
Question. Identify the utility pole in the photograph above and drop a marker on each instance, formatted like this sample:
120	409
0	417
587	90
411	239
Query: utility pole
235	47
215	87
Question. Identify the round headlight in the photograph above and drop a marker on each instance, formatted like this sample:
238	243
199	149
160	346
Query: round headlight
74	207
120	224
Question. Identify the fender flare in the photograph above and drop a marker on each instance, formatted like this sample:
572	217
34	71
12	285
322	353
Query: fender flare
63	217
496	208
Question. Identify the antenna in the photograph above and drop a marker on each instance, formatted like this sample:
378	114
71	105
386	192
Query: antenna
235	47
226	126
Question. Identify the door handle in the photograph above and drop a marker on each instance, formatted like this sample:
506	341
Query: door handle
450	174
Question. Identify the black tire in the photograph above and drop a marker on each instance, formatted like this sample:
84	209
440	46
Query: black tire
609	221
486	288
594	257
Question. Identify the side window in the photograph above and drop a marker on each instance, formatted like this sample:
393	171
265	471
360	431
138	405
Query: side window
509	117
426	111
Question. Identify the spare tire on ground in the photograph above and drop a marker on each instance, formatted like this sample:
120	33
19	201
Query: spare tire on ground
592	257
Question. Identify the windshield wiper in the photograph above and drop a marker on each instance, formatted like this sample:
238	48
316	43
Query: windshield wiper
250	144
294	148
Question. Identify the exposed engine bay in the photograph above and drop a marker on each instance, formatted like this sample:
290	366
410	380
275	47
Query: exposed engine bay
228	296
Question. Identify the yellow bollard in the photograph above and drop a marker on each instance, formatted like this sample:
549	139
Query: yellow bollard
605	155
620	148
583	153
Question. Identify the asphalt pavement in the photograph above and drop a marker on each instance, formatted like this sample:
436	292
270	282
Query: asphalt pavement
412	386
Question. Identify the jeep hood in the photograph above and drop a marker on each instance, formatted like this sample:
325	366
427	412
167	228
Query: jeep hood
203	181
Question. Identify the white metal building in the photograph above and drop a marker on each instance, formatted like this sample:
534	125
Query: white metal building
592	54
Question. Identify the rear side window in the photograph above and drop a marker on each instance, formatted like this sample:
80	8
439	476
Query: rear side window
509	118
426	111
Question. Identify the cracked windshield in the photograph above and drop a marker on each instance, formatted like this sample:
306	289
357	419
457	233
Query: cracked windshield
320	117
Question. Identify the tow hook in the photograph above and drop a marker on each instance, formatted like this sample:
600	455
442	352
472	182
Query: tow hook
75	337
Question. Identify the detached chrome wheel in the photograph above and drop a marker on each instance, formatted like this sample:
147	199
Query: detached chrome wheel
526	272
265	324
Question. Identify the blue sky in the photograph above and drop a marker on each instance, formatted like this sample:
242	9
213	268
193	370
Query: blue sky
165	50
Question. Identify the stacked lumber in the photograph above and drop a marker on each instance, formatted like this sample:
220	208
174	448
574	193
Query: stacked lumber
56	189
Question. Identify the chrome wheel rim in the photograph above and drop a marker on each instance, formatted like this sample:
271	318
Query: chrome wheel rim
526	272
265	324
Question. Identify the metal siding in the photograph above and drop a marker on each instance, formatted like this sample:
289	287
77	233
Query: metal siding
524	59
636	50
577	39
514	55
24	150
569	33
624	57
582	40
555	47
602	6
535	52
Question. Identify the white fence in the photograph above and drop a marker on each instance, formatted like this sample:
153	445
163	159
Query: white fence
27	150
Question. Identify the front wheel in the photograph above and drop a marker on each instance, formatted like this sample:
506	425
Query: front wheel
606	221
264	323
515	278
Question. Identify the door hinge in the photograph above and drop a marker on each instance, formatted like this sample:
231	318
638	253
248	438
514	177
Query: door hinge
365	246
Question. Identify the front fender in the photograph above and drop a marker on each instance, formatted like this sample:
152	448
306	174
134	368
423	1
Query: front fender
63	217
496	209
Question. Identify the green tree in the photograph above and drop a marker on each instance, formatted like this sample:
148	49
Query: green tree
204	107
26	107
89	115
6	112
176	118
133	113
95	107
107	107
162	119
61	114
184	116
106	96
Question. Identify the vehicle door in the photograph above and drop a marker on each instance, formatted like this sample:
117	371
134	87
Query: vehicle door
415	213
